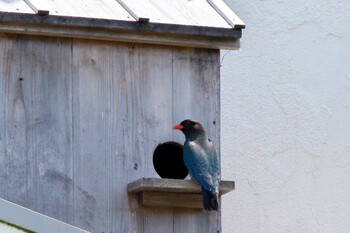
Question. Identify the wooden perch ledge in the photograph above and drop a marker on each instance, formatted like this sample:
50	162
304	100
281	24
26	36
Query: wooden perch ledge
171	192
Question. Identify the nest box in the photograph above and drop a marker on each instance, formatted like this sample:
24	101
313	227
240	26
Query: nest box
89	92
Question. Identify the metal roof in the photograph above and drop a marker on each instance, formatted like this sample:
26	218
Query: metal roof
209	22
33	221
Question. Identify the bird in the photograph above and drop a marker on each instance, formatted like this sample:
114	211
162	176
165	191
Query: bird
202	162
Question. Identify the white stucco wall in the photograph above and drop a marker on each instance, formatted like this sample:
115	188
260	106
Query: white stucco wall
286	118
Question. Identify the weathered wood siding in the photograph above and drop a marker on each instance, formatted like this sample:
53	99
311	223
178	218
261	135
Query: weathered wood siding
80	119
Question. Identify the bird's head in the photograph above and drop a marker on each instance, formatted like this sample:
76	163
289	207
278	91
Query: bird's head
190	128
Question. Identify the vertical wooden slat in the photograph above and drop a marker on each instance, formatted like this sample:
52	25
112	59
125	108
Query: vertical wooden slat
6	47
82	118
38	159
98	169
46	84
3	73
13	125
118	121
154	77
196	96
109	146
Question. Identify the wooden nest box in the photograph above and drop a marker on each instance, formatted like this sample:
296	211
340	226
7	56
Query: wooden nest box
89	91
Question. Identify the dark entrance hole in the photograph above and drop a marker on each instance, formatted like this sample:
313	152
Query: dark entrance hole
168	161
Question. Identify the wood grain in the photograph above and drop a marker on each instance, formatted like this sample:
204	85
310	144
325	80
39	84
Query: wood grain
173	186
197	96
122	36
173	200
82	118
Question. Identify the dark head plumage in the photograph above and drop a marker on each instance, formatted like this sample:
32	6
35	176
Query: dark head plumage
190	128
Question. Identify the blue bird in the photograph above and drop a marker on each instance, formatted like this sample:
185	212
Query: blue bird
201	161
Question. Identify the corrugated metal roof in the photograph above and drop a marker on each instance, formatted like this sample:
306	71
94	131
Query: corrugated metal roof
17	6
204	18
97	9
185	12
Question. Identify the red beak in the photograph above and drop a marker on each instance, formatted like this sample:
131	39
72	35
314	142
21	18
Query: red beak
178	127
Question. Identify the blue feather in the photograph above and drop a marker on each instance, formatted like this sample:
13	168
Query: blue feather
201	161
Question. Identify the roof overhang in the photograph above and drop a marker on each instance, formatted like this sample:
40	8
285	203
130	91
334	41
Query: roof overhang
115	30
196	23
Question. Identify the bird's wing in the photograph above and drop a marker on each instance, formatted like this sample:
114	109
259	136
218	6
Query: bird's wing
203	164
214	164
214	159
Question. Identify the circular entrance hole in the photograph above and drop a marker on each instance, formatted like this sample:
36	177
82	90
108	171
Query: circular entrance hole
168	161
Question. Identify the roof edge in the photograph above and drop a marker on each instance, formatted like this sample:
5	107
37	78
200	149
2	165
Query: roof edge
128	31
33	221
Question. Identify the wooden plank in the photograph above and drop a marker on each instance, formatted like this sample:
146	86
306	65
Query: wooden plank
37	134
114	112
122	36
38	6
198	70
93	24
151	104
4	69
100	162
8	181
173	200
13	143
132	13
195	220
197	96
33	221
101	29
173	186
46	82
82	119
230	17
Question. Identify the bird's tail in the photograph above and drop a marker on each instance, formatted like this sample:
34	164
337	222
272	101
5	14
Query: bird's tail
210	199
